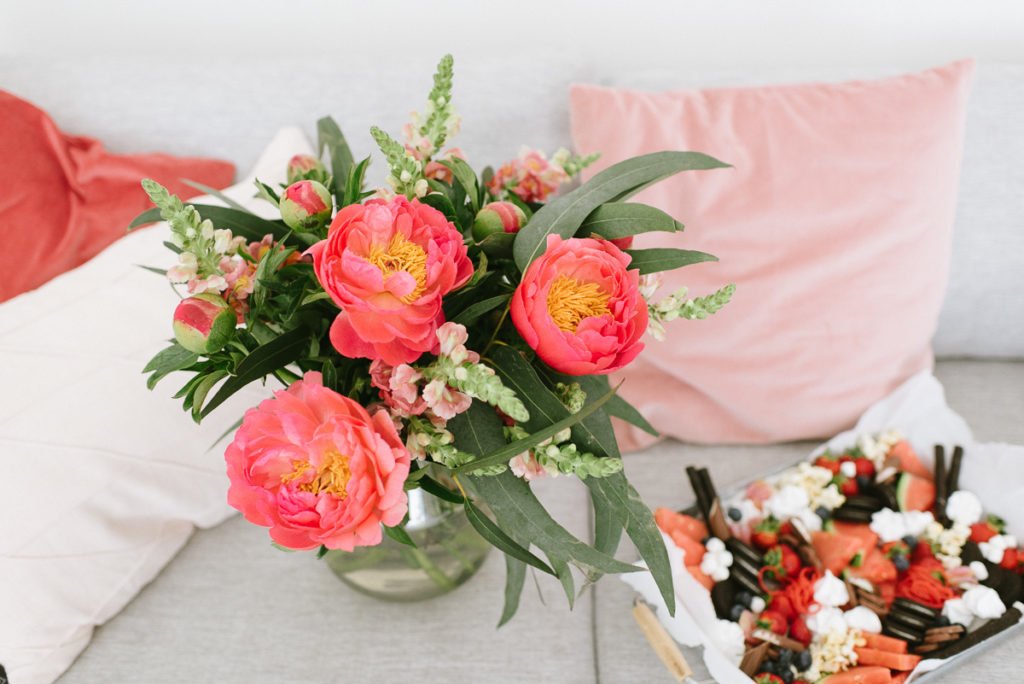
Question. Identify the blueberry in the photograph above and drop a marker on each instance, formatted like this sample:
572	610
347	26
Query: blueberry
942	621
768	667
803	660
901	563
744	597
736	612
735	513
863	482
822	513
785	656
786	676
910	540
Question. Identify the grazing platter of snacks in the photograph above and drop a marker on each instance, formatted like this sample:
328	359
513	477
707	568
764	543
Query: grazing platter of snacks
868	563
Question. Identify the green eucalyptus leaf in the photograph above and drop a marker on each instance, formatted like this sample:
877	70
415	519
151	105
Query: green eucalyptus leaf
478	430
617	406
173	358
465	177
145	218
330	138
154	269
202	389
261	362
665	259
564	215
432	486
501	541
214	192
498	245
354	184
621	501
444	205
400	535
619	220
515	577
472	313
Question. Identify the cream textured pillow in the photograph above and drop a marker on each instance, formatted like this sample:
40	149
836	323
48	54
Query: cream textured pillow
835	223
102	480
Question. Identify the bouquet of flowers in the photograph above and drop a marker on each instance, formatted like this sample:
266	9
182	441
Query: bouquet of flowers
451	331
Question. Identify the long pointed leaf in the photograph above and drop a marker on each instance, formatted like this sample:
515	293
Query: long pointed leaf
330	138
665	259
564	215
214	192
501	541
617	406
622	501
620	219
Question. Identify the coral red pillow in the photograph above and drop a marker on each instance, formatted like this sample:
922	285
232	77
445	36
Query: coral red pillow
65	198
835	224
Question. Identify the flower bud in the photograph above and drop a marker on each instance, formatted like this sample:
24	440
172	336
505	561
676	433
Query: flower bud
306	205
498	217
204	323
306	167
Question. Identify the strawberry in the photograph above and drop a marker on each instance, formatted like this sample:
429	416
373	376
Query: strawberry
865	467
986	529
773	622
785	528
1010	558
828	462
848	486
767	678
922	552
799	631
780	603
765	534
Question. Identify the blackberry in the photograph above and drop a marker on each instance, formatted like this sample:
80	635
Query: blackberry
735	514
910	540
803	660
744	597
736	612
901	563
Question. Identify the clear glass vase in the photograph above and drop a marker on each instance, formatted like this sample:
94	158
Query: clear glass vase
448	552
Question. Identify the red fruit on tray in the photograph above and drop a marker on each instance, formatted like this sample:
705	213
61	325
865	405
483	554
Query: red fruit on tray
915	493
881	642
860	675
865	467
783	560
922	552
828	462
800	632
893	661
669	521
693	551
835	550
767	678
875	568
780	603
909	462
860	530
986	529
1010	559
765	534
849	487
773	622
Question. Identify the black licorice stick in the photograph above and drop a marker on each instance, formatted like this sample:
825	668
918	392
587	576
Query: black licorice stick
986	631
709	488
703	505
940	482
953	479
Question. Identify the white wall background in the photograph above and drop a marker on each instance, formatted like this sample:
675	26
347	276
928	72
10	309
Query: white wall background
716	34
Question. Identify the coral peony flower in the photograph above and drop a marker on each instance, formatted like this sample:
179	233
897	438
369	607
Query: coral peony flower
316	468
387	264
580	308
531	176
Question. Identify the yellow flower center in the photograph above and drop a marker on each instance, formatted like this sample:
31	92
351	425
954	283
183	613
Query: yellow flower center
332	476
401	255
570	301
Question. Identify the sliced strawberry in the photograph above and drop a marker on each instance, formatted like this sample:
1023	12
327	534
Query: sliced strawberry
773	622
765	534
865	467
986	529
799	631
1009	559
848	486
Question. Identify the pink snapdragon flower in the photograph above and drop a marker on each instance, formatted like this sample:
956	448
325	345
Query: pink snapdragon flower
527	467
531	176
445	402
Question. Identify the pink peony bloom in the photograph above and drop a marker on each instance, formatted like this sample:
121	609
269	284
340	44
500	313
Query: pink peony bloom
387	265
531	176
316	468
445	402
579	307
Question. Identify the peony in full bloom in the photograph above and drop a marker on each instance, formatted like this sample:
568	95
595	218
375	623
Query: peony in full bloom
387	264
316	468
580	308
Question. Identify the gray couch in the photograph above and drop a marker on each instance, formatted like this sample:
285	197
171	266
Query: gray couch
231	609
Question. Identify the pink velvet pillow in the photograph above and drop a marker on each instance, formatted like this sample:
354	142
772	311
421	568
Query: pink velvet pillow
835	224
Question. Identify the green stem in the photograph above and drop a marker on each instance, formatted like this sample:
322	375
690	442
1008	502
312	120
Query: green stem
428	566
497	329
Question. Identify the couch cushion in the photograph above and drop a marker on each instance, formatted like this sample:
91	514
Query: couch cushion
989	396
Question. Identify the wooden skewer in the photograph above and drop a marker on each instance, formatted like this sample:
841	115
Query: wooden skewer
664	645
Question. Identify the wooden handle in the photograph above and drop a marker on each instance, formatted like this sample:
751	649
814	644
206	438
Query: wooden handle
664	645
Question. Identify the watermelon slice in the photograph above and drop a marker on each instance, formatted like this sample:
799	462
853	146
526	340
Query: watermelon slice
669	521
880	642
860	530
915	493
835	550
860	675
699	575
876	568
893	661
909	462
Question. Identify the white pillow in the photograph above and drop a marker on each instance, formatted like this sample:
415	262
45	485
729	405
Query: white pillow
101	480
